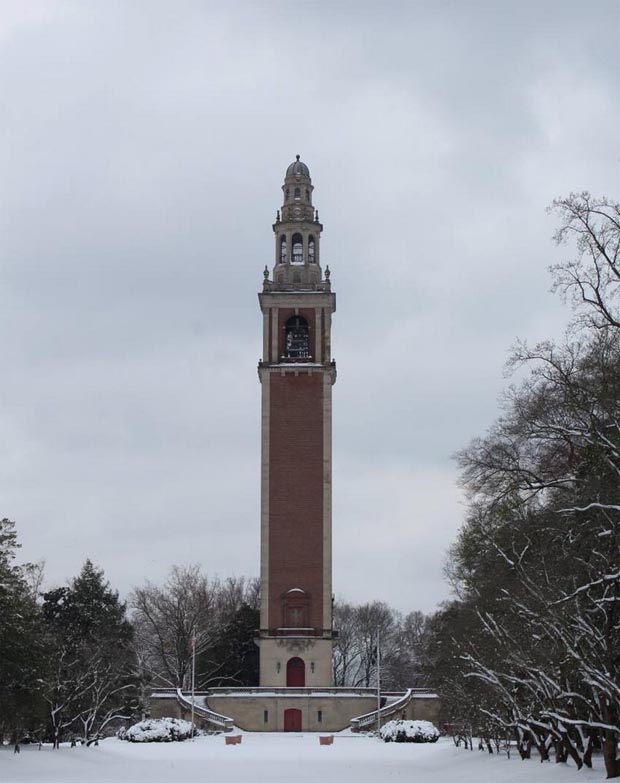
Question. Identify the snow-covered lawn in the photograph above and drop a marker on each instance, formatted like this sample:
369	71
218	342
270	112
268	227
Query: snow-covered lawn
278	757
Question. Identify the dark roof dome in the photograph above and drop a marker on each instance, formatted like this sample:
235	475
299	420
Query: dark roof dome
298	168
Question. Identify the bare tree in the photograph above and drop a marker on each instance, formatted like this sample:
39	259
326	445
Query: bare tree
346	650
537	563
592	279
166	620
191	606
540	551
361	629
403	667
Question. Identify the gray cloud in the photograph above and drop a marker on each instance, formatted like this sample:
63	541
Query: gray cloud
143	150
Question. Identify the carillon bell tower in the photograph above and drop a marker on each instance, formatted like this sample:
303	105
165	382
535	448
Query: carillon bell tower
296	374
296	636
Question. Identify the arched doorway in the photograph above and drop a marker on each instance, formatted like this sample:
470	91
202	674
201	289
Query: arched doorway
292	720
295	673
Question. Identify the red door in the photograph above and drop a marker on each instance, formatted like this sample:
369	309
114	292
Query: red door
292	720
295	673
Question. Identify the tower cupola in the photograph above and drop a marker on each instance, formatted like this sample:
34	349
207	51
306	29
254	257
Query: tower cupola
297	233
298	167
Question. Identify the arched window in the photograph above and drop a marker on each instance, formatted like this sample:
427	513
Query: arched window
295	609
307	195
283	249
311	258
297	194
288	194
296	340
298	249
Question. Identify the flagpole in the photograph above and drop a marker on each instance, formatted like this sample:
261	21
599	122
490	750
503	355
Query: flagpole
378	680
193	680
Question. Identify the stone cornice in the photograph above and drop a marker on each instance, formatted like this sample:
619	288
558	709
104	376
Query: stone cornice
297	299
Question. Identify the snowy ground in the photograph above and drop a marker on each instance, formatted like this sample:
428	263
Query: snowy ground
278	757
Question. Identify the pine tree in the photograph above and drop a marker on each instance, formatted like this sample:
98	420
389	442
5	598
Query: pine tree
233	659
21	650
92	677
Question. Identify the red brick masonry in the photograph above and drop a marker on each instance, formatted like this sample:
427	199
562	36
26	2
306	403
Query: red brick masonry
296	491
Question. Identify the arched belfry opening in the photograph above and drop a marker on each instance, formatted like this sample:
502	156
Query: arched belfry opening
298	249
282	257
311	250
296	338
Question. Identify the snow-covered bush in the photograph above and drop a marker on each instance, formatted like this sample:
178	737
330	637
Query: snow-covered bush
409	731
157	730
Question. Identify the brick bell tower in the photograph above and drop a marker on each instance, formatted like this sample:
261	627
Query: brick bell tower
296	374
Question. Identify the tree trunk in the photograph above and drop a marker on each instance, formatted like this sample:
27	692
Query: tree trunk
524	746
572	750
561	753
541	745
610	754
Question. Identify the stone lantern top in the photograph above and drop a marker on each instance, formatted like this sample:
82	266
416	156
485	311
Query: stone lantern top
298	168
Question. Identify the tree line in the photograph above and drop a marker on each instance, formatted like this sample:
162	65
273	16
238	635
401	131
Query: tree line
531	645
67	661
368	630
76	661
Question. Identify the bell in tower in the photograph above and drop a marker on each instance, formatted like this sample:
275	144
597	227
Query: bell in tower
296	374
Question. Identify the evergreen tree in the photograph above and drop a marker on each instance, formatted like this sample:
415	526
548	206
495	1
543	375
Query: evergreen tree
21	650
92	676
233	659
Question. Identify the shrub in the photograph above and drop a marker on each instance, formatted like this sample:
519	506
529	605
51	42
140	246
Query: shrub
409	731
157	730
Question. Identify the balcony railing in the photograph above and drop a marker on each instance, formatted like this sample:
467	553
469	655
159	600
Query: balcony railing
325	633
305	356
318	692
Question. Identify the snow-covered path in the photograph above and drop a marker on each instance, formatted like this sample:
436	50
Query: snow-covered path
294	758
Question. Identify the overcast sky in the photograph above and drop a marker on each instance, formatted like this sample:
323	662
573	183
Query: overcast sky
143	149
